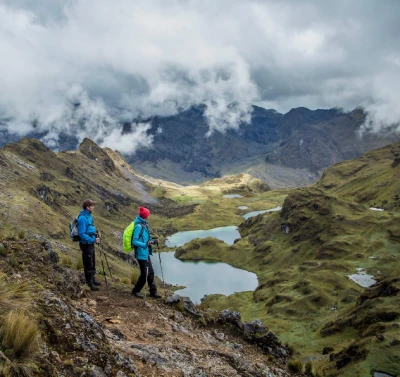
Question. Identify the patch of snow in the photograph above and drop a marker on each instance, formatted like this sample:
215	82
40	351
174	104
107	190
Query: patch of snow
377	209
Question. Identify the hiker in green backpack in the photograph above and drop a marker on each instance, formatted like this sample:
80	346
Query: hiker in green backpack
142	242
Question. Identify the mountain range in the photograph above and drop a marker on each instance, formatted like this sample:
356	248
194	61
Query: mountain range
284	150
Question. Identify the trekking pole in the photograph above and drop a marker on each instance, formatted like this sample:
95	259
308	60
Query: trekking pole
104	271
105	257
159	257
109	270
147	274
102	263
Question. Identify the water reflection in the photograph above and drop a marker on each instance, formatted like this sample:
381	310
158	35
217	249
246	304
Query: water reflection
232	196
203	278
228	234
256	213
362	278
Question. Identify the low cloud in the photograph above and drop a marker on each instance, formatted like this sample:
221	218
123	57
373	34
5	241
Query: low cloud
82	67
128	142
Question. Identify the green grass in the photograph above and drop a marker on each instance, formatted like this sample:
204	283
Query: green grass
135	273
3	251
79	264
295	366
66	260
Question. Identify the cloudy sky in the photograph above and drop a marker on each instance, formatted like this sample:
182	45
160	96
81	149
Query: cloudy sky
125	59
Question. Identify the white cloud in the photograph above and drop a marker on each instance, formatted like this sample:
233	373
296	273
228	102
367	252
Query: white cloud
126	59
125	143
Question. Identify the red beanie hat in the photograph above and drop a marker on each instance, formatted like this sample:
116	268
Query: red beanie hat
144	213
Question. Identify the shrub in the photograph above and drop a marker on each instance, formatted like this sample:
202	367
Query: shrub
66	260
12	261
309	369
3	250
21	234
135	276
290	349
125	281
79	264
295	366
19	336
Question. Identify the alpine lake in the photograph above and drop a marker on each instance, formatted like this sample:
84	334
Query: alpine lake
202	278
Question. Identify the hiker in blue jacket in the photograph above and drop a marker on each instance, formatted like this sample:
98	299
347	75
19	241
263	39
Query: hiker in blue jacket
142	243
88	237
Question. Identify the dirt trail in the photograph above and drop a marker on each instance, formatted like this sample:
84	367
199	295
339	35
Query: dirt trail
164	342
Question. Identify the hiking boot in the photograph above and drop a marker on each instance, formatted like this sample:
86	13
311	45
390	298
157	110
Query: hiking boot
96	283
155	295
93	287
137	294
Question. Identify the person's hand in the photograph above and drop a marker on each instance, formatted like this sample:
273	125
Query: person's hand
97	239
149	242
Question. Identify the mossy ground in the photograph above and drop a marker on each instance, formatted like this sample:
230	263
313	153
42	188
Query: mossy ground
303	273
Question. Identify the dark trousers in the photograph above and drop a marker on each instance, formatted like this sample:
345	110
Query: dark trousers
89	261
146	268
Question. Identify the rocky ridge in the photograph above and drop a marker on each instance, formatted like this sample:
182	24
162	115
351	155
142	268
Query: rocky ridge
111	333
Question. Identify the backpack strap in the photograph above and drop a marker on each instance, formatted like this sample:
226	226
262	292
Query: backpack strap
140	234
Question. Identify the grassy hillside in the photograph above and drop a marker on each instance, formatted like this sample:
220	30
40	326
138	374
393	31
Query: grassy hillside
373	179
303	256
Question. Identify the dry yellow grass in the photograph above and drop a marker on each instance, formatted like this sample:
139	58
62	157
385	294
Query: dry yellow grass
66	260
13	295
134	276
79	264
19	336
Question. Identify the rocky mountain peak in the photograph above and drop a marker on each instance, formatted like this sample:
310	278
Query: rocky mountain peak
91	150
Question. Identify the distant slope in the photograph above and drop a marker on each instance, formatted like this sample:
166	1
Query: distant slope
297	145
37	183
373	179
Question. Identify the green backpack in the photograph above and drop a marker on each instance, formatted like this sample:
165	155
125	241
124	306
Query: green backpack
128	236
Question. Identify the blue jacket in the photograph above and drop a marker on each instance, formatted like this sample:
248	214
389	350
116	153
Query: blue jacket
142	250
86	228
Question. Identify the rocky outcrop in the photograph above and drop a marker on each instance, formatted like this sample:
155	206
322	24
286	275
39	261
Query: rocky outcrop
111	333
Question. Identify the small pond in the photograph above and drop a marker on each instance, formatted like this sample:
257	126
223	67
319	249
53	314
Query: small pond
382	374
232	196
203	278
228	234
362	278
256	213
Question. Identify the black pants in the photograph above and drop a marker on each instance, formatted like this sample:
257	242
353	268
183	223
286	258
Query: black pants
146	268
89	261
